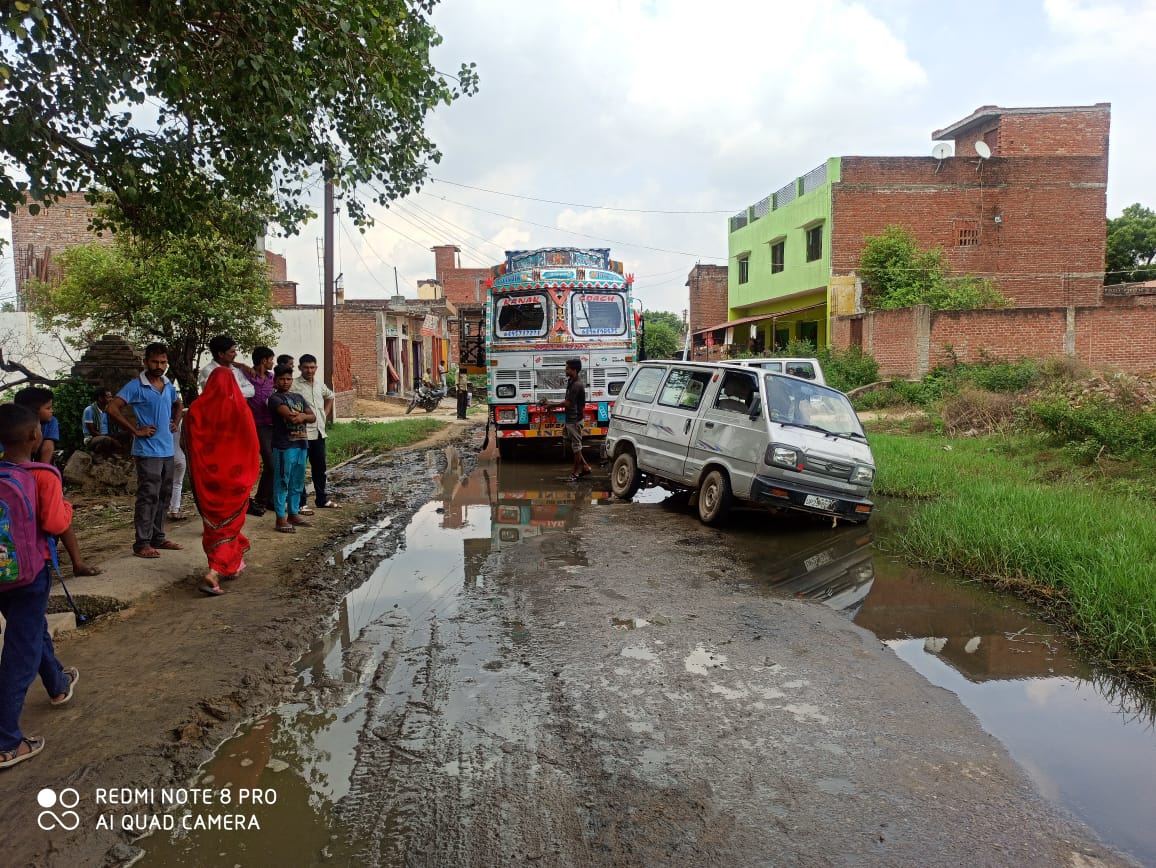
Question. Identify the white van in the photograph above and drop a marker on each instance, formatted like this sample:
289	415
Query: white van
738	433
808	369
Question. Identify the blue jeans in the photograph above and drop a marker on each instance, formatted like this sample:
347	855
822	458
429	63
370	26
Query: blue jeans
27	650
288	479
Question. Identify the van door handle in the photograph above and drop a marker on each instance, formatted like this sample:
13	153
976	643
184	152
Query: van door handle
708	424
686	428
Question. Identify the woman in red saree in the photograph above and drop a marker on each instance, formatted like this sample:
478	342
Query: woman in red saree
224	463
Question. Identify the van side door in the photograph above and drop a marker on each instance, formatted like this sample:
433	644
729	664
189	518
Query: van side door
672	419
725	432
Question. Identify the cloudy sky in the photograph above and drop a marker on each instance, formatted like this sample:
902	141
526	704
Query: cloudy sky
646	123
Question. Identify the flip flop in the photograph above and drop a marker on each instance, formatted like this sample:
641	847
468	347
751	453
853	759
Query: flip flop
9	758
148	552
300	523
206	588
73	676
87	571
285	528
329	504
305	511
169	545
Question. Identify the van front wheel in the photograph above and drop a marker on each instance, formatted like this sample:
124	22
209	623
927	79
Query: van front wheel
624	476
714	497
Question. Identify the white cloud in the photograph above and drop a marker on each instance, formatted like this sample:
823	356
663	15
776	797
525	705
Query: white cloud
1119	33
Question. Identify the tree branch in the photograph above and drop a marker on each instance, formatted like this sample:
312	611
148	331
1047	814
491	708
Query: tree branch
29	376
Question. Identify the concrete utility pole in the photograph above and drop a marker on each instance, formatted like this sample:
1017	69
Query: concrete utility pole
327	288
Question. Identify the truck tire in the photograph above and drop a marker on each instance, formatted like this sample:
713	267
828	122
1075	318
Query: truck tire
624	476
714	498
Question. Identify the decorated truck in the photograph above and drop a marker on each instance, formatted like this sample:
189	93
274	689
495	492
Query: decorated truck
542	308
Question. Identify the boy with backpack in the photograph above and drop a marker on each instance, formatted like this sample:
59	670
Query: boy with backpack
32	509
39	400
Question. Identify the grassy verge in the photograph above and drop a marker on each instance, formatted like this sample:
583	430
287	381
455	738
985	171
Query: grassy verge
347	439
1085	550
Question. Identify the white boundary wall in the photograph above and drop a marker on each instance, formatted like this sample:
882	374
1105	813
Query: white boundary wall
48	353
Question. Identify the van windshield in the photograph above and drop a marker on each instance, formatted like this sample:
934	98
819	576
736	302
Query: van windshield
801	403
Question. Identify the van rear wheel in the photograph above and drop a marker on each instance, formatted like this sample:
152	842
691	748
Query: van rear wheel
714	498
624	476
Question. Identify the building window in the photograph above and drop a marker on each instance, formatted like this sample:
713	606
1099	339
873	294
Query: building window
815	243
778	250
744	268
967	234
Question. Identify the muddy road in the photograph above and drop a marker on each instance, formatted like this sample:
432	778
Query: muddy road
517	671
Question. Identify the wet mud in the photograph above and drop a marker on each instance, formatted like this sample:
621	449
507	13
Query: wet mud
539	674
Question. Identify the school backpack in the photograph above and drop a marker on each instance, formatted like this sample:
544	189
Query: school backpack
22	543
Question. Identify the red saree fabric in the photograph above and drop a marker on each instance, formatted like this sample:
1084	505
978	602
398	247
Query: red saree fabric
224	460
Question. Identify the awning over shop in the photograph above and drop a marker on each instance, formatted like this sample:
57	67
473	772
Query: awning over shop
780	314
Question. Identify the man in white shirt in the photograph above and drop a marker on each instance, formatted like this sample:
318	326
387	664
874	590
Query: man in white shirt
224	350
320	398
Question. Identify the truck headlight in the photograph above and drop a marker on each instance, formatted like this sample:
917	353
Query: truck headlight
784	456
863	475
506	390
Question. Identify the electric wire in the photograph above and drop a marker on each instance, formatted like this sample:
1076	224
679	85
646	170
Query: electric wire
578	234
370	271
577	204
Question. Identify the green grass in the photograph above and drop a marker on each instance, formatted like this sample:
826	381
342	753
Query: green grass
1087	549
347	439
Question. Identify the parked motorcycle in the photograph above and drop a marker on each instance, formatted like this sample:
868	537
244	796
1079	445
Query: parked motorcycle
426	398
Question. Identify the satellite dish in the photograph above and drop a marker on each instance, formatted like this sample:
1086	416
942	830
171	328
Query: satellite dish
983	150
941	151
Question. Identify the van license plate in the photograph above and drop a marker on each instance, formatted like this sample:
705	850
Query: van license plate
816	502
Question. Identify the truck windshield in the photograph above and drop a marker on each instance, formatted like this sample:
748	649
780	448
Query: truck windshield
793	401
520	316
597	313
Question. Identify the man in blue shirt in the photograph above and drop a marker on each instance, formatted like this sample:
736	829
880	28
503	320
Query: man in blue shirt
158	409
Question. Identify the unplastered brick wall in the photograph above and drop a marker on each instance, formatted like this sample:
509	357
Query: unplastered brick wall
358	331
1117	337
461	285
708	296
57	227
1114	337
970	336
1040	220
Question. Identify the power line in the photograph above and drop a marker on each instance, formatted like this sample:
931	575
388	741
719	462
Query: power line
576	204
423	223
345	231
383	261
455	226
578	234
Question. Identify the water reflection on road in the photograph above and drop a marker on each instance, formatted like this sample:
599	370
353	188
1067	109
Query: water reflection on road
1087	746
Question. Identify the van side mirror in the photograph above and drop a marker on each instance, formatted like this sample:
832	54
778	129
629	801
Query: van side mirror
757	408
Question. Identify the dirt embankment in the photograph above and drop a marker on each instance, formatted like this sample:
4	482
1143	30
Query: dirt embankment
165	680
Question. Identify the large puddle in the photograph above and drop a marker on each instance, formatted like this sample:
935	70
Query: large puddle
1088	745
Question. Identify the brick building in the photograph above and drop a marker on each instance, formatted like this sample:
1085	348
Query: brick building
37	238
1030	214
707	286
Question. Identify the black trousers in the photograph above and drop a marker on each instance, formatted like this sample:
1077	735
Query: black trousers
317	471
265	482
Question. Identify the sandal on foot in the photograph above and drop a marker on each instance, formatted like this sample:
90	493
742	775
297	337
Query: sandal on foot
147	552
9	758
329	504
73	675
86	570
285	528
211	590
305	511
300	523
169	545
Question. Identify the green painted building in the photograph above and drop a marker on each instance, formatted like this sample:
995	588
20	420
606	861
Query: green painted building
779	268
